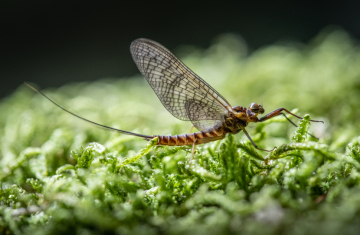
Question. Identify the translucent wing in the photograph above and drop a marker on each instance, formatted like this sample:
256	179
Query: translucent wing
184	94
203	116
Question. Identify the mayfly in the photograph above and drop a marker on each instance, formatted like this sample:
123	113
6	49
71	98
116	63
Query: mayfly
188	97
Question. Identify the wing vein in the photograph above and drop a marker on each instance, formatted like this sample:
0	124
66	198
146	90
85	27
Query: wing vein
178	88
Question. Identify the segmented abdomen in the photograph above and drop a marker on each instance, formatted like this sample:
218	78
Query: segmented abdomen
189	139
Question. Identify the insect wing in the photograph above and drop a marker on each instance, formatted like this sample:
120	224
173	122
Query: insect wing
184	94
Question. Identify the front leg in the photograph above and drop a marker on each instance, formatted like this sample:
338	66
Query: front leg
279	112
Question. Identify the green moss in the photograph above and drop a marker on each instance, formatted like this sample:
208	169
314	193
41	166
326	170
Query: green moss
60	175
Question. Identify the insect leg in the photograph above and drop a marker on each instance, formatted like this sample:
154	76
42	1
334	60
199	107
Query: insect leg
192	153
297	125
192	128
279	112
254	142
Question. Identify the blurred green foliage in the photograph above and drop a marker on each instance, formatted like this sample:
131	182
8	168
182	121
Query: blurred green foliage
60	175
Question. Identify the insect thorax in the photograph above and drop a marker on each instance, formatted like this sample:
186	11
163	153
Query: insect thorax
235	122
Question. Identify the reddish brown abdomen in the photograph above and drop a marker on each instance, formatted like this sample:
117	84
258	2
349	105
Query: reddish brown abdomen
188	139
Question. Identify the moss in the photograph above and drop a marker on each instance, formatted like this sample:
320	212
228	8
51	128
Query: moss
60	175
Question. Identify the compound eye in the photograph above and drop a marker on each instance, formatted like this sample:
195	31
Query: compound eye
254	107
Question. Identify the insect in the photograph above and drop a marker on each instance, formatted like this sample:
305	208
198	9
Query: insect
188	97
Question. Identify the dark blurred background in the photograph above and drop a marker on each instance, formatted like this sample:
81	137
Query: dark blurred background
55	42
